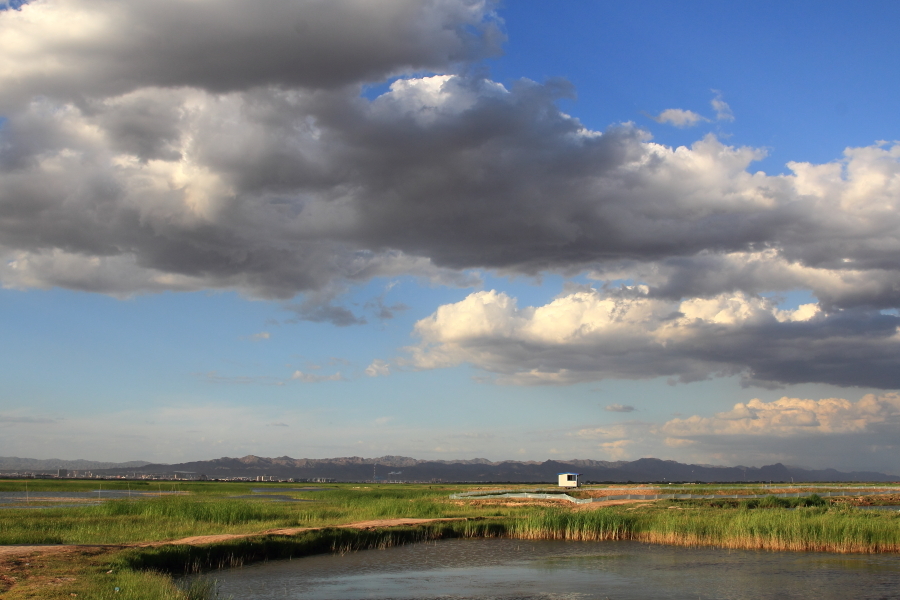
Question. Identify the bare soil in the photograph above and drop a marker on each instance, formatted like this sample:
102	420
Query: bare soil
7	552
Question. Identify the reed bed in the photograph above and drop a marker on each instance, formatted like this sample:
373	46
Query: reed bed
802	529
186	560
172	517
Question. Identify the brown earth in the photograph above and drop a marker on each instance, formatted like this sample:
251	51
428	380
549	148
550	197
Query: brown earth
197	540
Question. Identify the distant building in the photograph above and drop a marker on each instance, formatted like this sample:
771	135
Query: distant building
323	480
62	472
568	479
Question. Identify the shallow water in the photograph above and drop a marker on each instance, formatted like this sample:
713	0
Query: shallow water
274	497
300	489
513	569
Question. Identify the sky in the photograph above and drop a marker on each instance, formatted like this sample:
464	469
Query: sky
450	229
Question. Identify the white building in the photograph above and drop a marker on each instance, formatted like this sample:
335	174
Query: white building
568	479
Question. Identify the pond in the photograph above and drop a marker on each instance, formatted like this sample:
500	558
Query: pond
559	570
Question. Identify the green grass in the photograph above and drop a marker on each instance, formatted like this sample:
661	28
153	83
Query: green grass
809	523
768	526
211	512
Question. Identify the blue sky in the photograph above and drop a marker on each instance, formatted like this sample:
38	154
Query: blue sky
518	231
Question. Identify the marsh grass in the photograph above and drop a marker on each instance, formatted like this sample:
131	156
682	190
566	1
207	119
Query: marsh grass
771	523
813	528
187	560
174	517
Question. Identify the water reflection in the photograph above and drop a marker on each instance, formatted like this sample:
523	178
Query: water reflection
510	569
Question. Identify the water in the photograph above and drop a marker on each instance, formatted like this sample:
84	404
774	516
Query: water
300	489
557	570
274	497
57	499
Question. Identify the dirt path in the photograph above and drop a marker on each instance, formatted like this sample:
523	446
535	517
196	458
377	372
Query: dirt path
198	540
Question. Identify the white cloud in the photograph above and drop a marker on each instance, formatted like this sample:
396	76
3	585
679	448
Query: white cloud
679	117
627	333
313	378
793	416
621	408
617	450
378	368
263	335
723	111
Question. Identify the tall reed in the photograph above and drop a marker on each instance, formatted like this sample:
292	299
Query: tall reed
806	529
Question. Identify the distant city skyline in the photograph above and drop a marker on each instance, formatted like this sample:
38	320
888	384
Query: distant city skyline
451	229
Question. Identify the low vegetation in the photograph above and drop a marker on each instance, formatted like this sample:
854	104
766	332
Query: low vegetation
109	533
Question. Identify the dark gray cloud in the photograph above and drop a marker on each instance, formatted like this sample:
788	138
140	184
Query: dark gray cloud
278	191
325	313
229	45
183	146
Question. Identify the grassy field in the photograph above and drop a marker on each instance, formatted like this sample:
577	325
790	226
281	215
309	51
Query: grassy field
203	508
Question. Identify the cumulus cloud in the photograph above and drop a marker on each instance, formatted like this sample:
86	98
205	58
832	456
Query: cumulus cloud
617	450
378	368
723	111
828	432
313	378
793	416
626	333
228	45
679	117
184	146
135	162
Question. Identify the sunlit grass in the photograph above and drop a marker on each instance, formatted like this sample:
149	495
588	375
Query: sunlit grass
170	517
814	528
808	523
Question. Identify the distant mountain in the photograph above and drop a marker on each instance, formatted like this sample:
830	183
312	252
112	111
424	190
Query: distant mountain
51	464
355	468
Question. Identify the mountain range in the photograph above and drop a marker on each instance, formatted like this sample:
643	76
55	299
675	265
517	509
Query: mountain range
475	470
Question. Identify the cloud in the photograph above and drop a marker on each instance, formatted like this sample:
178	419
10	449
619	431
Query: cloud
262	335
793	416
819	433
723	111
313	378
617	450
621	408
679	117
277	181
626	333
282	179
325	313
603	432
378	368
222	145
229	45
278	425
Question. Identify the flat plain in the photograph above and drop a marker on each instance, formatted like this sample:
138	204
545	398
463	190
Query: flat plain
133	539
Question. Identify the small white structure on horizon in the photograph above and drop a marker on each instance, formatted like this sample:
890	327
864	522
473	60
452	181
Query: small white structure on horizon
568	479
